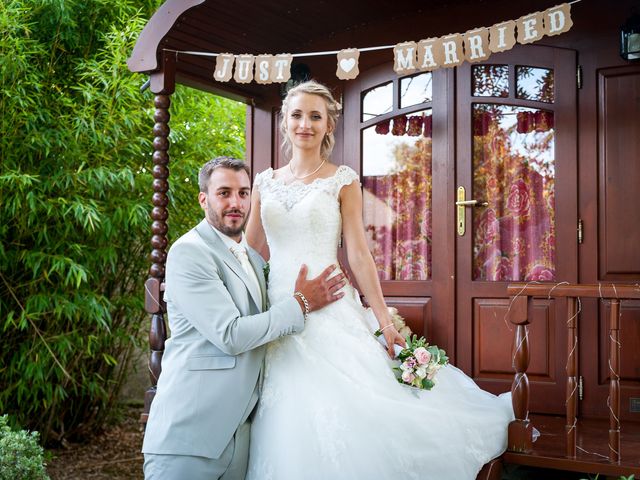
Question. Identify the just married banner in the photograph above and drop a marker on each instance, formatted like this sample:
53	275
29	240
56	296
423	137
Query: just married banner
448	51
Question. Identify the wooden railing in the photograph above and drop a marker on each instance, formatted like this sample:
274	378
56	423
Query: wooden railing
520	430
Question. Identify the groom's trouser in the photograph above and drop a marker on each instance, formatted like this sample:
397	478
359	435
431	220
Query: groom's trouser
232	464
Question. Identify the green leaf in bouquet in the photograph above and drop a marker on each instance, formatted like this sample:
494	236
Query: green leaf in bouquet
443	357
427	384
404	354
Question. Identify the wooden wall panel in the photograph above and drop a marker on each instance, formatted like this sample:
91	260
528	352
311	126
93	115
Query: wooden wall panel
416	312
493	340
629	342
619	165
493	351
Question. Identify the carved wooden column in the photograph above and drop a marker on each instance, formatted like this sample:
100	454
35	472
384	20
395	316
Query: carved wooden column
159	229
614	381
520	431
163	85
572	377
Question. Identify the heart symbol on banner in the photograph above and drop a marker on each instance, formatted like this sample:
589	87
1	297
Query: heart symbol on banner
347	64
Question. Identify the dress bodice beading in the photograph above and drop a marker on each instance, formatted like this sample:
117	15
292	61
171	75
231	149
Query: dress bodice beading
302	223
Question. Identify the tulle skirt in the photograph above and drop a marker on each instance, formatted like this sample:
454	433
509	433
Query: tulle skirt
331	408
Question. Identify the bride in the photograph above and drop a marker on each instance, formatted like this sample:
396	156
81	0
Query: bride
331	407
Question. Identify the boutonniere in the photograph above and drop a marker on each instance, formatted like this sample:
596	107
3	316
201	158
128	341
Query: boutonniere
265	271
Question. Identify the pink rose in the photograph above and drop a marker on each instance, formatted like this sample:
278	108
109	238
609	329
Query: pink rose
408	377
518	201
503	270
487	227
422	355
540	273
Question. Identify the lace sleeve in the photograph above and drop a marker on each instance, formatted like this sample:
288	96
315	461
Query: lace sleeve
345	176
261	177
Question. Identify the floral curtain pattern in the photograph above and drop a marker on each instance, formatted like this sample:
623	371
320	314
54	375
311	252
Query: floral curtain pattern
397	202
513	165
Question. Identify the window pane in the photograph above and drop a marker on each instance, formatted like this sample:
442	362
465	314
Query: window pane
490	80
415	90
396	168
534	84
377	101
514	171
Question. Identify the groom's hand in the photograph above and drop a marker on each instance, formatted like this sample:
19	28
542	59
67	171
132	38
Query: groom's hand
321	290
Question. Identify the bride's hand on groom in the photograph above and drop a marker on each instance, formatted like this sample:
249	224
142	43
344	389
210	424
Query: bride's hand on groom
321	290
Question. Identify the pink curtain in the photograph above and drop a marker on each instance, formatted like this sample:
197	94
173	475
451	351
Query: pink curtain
514	237
398	213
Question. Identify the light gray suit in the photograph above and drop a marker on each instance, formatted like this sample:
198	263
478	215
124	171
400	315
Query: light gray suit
212	361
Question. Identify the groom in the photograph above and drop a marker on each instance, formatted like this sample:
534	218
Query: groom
215	291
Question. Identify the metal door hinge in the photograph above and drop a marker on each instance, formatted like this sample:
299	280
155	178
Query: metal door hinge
580	231
579	77
580	388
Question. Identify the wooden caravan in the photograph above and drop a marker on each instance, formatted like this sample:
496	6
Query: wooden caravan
511	168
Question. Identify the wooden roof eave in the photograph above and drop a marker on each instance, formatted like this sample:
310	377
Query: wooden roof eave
144	57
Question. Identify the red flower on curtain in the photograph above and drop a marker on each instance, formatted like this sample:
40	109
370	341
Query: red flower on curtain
487	227
518	199
399	125
415	125
540	273
503	268
382	128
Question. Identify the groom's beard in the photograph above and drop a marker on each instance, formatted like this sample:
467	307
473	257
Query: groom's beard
229	231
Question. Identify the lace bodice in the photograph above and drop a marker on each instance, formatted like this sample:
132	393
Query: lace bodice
302	223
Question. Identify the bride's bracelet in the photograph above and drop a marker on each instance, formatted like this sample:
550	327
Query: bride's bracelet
305	302
385	327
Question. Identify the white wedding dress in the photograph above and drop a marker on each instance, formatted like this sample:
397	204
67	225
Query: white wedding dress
331	407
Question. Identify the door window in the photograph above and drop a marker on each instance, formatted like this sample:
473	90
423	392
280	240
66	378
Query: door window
396	177
514	172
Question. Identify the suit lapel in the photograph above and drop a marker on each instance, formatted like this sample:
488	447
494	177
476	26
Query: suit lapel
213	240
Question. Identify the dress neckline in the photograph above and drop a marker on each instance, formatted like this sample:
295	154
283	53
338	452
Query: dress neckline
270	171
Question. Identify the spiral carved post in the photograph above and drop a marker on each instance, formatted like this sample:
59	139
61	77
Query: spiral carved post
520	429
614	382
159	214
572	379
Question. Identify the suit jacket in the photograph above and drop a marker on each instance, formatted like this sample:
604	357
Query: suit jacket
212	360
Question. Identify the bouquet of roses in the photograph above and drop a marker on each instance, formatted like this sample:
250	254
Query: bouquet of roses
419	363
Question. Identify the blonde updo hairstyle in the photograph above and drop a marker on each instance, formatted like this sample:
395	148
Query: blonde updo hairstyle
333	112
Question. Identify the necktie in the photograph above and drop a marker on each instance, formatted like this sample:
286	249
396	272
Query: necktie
241	254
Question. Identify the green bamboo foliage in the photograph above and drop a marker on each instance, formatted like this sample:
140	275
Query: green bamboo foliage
75	189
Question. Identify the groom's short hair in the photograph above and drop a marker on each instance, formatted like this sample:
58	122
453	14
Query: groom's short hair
220	162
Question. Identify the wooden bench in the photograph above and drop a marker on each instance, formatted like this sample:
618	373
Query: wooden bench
587	445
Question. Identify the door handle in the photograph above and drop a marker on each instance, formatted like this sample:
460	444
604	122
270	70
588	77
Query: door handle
472	203
461	203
